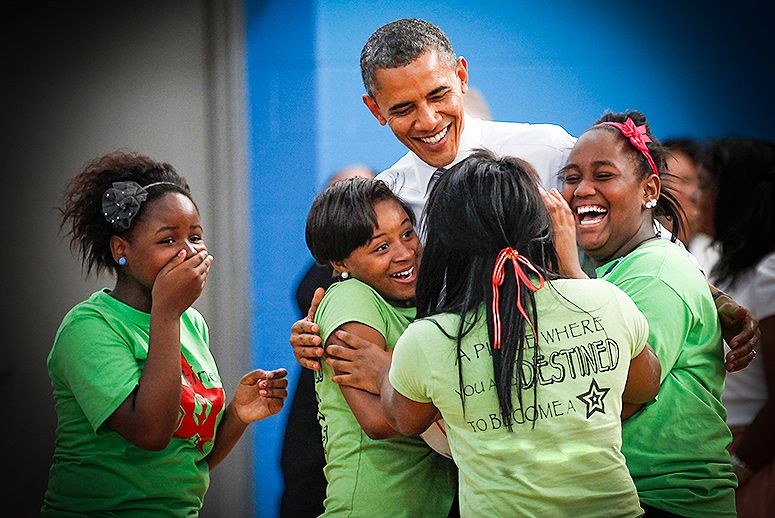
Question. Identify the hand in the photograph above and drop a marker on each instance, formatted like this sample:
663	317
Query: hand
181	281
304	336
740	330
260	394
563	234
358	363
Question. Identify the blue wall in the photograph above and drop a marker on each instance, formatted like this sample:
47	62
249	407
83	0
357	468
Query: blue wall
697	71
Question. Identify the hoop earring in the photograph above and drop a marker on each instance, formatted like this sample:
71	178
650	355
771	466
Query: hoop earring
344	275
121	261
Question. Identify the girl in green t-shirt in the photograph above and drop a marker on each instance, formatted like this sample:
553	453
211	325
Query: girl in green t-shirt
139	402
367	234
611	192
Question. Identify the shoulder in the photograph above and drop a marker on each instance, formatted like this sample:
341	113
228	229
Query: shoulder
397	170
350	289
194	318
545	135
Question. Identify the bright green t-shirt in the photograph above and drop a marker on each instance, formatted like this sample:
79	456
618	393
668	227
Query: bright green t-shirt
395	477
676	446
97	359
563	456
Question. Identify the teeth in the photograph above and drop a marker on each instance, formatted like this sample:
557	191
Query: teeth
435	138
590	208
405	274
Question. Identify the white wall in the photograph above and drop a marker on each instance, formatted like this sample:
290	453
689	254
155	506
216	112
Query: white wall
81	79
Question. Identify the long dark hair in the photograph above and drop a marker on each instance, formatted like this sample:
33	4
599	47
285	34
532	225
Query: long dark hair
668	205
744	220
477	209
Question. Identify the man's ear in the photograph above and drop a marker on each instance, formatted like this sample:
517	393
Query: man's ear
373	107
118	247
461	71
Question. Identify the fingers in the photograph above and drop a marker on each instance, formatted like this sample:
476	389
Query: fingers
273	378
738	363
179	258
313	306
305	333
355	342
341	352
339	366
203	266
308	357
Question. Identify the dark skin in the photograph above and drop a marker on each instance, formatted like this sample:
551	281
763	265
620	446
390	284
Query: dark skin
166	270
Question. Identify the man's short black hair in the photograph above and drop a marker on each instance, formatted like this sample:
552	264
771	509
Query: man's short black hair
399	43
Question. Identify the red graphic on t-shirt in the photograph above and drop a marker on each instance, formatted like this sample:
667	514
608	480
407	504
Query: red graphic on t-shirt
199	406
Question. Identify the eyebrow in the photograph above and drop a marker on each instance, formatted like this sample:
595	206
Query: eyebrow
175	227
377	236
435	91
596	163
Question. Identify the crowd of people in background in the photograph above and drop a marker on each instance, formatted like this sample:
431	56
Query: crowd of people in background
459	360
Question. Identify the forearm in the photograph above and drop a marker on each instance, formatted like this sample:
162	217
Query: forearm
229	432
158	395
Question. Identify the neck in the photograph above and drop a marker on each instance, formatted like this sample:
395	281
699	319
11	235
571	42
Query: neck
644	233
133	295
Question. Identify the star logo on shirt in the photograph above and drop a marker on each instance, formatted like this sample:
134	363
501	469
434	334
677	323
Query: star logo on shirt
593	398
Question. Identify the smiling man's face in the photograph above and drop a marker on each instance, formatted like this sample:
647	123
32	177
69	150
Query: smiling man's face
422	103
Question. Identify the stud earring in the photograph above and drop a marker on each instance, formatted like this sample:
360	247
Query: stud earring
345	275
121	261
651	204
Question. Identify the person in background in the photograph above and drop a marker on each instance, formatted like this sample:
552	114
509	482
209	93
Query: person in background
302	460
741	213
682	178
141	410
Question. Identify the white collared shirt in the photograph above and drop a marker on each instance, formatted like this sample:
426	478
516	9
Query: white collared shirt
545	146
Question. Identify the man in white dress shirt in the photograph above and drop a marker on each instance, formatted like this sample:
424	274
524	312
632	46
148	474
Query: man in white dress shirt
415	84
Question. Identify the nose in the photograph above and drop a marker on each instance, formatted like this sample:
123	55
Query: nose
404	252
427	117
194	248
584	188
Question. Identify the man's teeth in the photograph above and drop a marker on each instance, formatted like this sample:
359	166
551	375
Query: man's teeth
405	274
438	136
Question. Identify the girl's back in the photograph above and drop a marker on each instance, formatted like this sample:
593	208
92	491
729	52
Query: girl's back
563	454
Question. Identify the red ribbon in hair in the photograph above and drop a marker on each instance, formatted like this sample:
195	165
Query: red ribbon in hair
637	136
498	274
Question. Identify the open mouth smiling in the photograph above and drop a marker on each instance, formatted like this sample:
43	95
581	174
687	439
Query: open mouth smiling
405	275
434	139
590	214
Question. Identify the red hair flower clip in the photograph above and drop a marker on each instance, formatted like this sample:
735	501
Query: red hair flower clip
638	138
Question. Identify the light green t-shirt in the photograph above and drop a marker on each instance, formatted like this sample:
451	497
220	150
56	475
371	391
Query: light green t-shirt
676	446
563	456
97	359
395	477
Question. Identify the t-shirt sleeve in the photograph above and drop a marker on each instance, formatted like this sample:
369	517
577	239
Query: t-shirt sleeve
350	301
669	318
96	365
409	369
636	325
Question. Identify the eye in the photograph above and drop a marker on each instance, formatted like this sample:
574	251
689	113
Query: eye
408	233
402	111
569	178
195	238
603	175
166	241
381	248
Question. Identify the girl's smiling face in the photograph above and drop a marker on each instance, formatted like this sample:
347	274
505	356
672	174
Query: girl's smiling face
607	195
389	261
